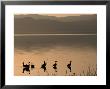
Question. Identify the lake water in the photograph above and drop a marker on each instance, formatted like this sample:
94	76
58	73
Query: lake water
80	49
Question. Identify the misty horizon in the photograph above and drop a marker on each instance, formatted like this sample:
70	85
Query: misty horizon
40	24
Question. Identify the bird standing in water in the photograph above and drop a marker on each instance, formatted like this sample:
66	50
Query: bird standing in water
26	67
44	66
55	66
69	66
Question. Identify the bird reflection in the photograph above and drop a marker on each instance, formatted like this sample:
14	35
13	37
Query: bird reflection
26	67
69	66
43	66
55	66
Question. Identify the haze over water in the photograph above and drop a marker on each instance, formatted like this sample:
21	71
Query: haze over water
55	37
80	49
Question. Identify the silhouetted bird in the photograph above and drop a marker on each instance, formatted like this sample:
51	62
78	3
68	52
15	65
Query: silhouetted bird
26	67
44	66
69	66
55	66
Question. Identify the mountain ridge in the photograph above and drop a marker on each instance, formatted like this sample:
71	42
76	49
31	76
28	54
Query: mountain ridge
49	25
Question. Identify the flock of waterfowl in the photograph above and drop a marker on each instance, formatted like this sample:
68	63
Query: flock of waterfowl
28	67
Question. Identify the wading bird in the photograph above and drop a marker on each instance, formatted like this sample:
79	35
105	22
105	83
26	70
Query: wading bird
26	67
69	66
43	66
55	66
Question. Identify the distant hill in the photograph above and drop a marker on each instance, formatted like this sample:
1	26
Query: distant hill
40	24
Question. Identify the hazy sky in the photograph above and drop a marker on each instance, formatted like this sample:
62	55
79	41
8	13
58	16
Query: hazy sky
58	15
64	15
